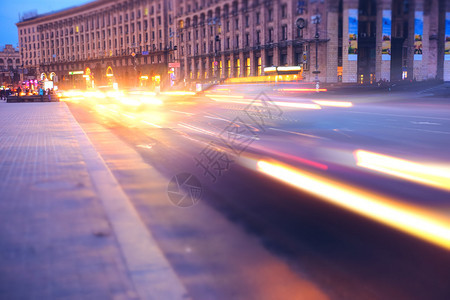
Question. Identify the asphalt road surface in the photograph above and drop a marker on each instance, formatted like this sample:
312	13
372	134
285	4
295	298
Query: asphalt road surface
299	195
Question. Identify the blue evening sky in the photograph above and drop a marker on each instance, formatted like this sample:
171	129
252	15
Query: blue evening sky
10	10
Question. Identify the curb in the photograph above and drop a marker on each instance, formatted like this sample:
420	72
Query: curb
150	272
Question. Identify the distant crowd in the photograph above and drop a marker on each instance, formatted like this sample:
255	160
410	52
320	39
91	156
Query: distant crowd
5	93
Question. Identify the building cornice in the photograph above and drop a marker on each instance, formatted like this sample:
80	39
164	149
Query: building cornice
50	17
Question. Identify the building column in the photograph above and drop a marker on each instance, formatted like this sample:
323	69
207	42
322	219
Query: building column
263	60
253	63
420	46
350	42
232	62
383	41
242	62
224	67
276	56
446	29
186	68
290	55
433	47
194	69
332	46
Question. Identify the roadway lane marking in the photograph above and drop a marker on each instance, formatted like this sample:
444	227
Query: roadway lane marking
151	124
297	133
424	123
418	129
217	118
394	115
182	112
432	131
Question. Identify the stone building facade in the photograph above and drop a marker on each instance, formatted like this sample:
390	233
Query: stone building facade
363	41
9	66
358	40
100	43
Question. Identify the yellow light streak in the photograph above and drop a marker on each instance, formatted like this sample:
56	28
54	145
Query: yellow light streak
130	101
334	103
128	116
301	90
224	96
151	124
410	219
256	103
151	100
94	94
201	130
298	105
438	177
178	93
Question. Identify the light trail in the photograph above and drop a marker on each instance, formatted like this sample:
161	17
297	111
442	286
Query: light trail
217	118
334	103
301	90
178	93
438	177
224	96
128	116
201	130
182	112
279	103
151	124
297	133
415	221
298	105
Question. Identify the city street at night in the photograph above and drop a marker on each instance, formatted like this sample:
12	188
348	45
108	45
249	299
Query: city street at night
339	196
225	150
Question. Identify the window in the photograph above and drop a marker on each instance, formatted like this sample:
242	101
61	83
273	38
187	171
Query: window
270	35
284	33
284	11
283	59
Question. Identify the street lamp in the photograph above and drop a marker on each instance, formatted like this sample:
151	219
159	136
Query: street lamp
316	21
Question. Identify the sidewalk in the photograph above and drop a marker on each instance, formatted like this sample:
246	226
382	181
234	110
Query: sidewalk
67	230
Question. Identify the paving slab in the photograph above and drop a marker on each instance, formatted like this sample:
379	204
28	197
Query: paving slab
67	229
